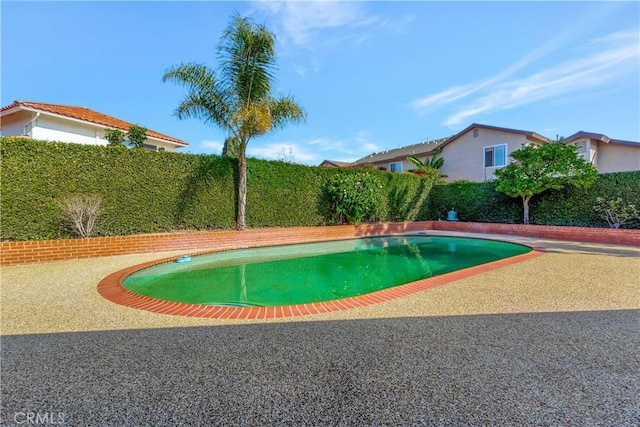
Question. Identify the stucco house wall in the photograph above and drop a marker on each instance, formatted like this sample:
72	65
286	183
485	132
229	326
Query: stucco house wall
406	164
606	154
79	125
465	153
464	158
50	128
53	129
14	125
617	158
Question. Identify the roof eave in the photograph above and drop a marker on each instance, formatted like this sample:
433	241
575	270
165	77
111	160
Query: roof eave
73	119
10	111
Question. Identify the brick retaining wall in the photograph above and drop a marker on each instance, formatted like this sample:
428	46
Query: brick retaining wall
16	253
578	234
27	252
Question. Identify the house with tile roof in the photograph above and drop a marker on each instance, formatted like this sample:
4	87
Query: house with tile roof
66	123
477	151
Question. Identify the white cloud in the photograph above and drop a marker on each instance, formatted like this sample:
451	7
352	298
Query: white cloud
448	96
315	150
211	146
359	144
618	56
288	151
608	58
399	26
299	21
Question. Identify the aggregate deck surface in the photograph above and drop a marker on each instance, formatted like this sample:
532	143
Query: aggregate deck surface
552	340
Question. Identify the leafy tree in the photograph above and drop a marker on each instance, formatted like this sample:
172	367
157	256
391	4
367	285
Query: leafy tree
230	148
137	135
115	137
615	211
538	168
238	98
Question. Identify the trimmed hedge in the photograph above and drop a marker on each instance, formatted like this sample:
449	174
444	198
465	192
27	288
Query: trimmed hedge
570	206
148	192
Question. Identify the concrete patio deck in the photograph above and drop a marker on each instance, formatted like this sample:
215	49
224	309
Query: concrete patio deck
552	340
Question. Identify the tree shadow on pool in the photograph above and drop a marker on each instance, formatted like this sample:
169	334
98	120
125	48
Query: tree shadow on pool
577	368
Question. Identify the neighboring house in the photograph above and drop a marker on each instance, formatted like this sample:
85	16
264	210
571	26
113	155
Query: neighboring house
606	154
335	164
396	160
67	123
476	152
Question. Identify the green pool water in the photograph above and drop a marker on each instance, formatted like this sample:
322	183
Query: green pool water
313	272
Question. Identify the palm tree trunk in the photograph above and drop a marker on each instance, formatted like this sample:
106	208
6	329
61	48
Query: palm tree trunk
242	190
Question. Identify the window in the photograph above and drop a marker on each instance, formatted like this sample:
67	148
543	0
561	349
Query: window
395	167
582	147
475	133
495	156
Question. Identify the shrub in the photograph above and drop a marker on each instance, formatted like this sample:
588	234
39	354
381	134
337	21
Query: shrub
615	211
406	195
81	211
354	197
137	135
478	201
150	191
115	137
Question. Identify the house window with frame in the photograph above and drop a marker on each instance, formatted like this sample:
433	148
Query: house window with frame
395	167
495	156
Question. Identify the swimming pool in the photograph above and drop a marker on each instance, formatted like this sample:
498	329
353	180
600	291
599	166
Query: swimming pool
313	272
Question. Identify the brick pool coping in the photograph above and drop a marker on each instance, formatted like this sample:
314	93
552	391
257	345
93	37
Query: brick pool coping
28	252
112	289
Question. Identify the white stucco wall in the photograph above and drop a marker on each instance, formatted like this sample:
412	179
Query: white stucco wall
161	144
464	157
55	129
50	128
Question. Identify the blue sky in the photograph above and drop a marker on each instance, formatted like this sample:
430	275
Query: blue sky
370	75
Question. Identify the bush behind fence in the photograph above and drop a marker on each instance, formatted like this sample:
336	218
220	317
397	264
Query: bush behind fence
147	192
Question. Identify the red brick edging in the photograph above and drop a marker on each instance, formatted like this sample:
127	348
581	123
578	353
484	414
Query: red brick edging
28	252
15	253
112	289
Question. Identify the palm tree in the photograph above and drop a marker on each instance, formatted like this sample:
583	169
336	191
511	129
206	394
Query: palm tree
238	98
429	165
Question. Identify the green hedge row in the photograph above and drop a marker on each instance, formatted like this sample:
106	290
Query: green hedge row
147	192
478	201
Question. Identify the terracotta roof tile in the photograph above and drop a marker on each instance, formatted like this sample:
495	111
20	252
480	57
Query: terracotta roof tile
88	115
